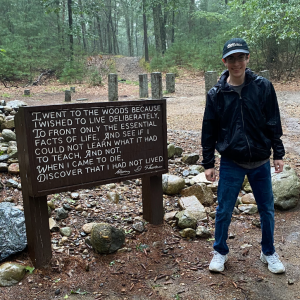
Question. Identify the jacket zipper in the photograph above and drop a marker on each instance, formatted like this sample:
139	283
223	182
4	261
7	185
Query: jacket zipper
244	129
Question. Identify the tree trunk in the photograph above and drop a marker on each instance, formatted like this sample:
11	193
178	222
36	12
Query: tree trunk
82	23
70	29
157	33
100	34
145	32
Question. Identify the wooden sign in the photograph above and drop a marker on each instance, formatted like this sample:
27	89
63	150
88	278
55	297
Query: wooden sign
75	146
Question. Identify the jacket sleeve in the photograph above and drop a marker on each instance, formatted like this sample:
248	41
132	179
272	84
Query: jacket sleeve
209	132
274	129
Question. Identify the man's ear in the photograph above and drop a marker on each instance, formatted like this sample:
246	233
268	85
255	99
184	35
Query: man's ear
223	60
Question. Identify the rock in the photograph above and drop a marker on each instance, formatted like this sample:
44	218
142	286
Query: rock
201	178
53	225
214	186
172	184
248	208
185	220
11	274
248	199
201	191
188	233
106	238
3	167
178	151
190	159
256	222
12	149
197	168
110	186
61	213
14	169
87	228
186	173
15	104
8	135
236	211
12	183
75	196
286	188
79	208
49	211
171	150
193	206
66	231
8	124
138	226
4	157
12	230
51	204
245	246
113	197
213	214
203	232
67	206
170	216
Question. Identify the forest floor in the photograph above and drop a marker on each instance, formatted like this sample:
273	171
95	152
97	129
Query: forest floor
171	268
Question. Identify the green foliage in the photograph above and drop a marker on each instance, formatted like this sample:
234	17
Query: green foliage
95	78
29	269
73	72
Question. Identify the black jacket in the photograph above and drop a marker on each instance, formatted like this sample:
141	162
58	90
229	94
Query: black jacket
242	129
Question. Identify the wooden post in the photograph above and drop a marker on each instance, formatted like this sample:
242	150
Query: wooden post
153	210
67	96
72	89
26	92
170	83
112	87
37	228
265	73
210	80
143	84
156	85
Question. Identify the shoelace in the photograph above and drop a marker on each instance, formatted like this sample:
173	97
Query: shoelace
274	258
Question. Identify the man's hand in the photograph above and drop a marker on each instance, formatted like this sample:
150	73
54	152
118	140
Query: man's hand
278	164
210	174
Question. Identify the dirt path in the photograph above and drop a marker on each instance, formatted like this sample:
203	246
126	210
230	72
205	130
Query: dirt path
177	269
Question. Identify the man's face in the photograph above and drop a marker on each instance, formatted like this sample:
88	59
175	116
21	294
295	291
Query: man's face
236	64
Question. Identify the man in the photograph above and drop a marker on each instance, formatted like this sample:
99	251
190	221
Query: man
242	122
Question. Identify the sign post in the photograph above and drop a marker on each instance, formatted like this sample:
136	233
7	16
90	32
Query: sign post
75	146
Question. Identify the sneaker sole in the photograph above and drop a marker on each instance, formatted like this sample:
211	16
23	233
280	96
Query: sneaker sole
270	268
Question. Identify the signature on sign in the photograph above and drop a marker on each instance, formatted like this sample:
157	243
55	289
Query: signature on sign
151	167
121	172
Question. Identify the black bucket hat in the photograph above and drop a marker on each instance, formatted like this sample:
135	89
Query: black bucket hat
235	45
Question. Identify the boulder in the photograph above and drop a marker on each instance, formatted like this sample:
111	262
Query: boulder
178	151
172	184
15	104
193	206
203	232
8	124
248	199
106	238
171	150
12	230
286	188
249	209
190	159
8	135
11	274
188	233
185	220
201	191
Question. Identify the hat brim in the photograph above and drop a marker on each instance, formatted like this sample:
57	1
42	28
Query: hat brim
235	51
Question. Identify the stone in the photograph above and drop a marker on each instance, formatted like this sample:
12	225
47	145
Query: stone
256	222
197	168
75	196
138	226
14	169
61	213
66	231
286	188
16	104
178	151
213	214
110	186
11	183
171	150
190	159
12	149
53	225
87	228
8	124
12	230
214	186
3	167
107	239
188	233
201	178
248	199
249	209
193	206
51	204
203	232
172	184
185	220
79	208
201	191
170	216
113	197
11	274
8	135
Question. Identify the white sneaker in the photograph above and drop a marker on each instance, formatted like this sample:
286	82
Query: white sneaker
217	262
274	263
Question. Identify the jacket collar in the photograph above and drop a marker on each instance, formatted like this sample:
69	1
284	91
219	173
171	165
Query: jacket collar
223	85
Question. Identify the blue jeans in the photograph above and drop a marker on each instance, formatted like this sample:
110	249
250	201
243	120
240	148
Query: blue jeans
230	183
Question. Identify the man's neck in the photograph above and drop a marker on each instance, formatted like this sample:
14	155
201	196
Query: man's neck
236	81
